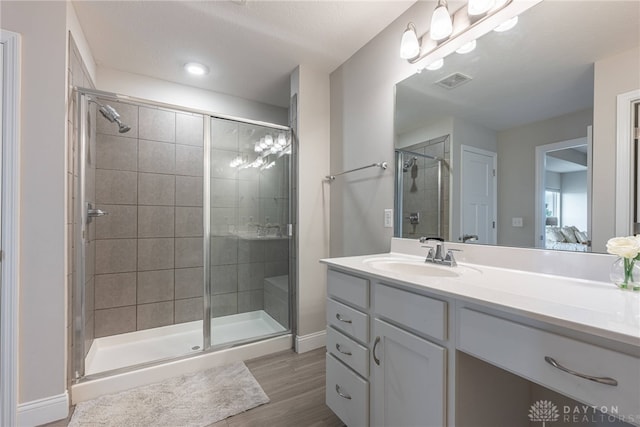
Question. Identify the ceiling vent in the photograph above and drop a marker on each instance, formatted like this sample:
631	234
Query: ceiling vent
453	80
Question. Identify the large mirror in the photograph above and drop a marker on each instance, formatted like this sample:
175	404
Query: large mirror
513	122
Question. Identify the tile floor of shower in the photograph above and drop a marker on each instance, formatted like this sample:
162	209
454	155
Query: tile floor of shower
134	348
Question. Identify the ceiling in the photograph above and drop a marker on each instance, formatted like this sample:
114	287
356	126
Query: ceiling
542	68
251	47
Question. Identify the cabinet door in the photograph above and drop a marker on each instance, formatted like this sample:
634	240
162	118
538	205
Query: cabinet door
408	380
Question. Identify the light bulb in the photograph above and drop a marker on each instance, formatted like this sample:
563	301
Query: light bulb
479	7
196	69
268	140
506	25
466	48
436	65
282	139
441	25
409	46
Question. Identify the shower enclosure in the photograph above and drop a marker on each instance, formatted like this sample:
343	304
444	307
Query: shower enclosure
183	237
421	193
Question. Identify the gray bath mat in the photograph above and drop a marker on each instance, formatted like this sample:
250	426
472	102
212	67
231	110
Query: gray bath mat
193	400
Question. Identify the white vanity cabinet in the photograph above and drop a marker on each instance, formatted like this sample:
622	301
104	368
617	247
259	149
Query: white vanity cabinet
347	378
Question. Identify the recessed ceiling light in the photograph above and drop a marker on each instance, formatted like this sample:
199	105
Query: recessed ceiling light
196	69
436	65
466	48
506	25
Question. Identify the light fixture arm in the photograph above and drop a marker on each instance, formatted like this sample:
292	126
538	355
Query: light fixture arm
456	17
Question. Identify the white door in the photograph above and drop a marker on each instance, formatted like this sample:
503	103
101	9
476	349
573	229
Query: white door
408	379
478	193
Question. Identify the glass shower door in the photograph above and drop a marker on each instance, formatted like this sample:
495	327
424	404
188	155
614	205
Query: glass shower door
249	233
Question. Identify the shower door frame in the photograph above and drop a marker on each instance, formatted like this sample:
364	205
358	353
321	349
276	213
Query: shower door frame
78	308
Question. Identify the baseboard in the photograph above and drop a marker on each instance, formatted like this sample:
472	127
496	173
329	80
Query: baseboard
43	411
310	342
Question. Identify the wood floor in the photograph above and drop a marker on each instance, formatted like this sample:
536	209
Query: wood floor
295	385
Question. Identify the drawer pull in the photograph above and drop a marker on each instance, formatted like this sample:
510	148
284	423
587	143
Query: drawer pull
373	352
342	319
341	394
348	353
601	380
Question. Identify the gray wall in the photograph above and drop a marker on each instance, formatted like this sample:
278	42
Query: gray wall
574	199
516	171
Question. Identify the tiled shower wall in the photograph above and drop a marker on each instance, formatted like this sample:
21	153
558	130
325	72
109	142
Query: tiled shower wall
421	191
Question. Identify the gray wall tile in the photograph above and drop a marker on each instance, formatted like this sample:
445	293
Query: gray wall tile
189	129
116	187
224	193
188	191
157	125
114	321
250	301
189	282
155	254
224	279
219	165
188	252
250	251
276	268
156	221
115	256
157	157
189	160
121	222
250	276
115	290
224	250
188	222
155	189
188	310
224	304
276	250
155	286
223	220
154	315
224	134
116	152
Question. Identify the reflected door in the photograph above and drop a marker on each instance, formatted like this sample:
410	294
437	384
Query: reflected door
478	190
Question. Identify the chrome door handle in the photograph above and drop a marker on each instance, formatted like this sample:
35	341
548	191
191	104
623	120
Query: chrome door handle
601	380
373	352
342	319
92	213
348	353
341	394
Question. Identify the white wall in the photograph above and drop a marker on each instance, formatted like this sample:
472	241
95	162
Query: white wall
516	171
613	76
574	199
430	130
312	88
42	338
145	87
73	25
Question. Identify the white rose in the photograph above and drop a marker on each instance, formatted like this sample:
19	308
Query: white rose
626	247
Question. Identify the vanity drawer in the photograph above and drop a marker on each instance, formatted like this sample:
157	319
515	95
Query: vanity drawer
349	351
351	289
421	313
348	320
347	394
522	350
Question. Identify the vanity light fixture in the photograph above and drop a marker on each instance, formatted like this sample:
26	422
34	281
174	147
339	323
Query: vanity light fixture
441	24
479	7
409	46
196	68
507	25
468	47
435	65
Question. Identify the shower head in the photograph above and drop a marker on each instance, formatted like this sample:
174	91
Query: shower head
112	115
409	163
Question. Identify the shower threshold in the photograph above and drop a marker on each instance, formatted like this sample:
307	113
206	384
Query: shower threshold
133	348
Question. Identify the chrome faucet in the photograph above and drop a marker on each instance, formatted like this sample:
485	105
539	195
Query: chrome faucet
437	256
469	238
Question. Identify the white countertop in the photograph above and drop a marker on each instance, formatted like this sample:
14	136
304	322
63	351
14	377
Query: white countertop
593	307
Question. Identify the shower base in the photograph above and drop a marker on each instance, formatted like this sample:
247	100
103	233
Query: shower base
134	348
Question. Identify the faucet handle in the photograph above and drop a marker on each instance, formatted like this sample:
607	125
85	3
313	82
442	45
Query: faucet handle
430	255
449	259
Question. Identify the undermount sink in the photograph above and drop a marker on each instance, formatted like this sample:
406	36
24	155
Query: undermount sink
412	267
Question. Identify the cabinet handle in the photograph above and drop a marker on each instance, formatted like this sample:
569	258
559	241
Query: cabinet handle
601	380
342	319
373	352
341	394
348	353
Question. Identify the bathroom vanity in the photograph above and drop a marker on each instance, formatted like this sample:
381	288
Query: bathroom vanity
400	333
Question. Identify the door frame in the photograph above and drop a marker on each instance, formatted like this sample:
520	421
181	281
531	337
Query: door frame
494	157
10	225
624	154
541	153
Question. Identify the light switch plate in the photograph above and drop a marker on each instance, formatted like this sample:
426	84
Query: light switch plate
517	222
388	218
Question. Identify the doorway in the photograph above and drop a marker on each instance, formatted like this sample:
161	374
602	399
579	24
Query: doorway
478	196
